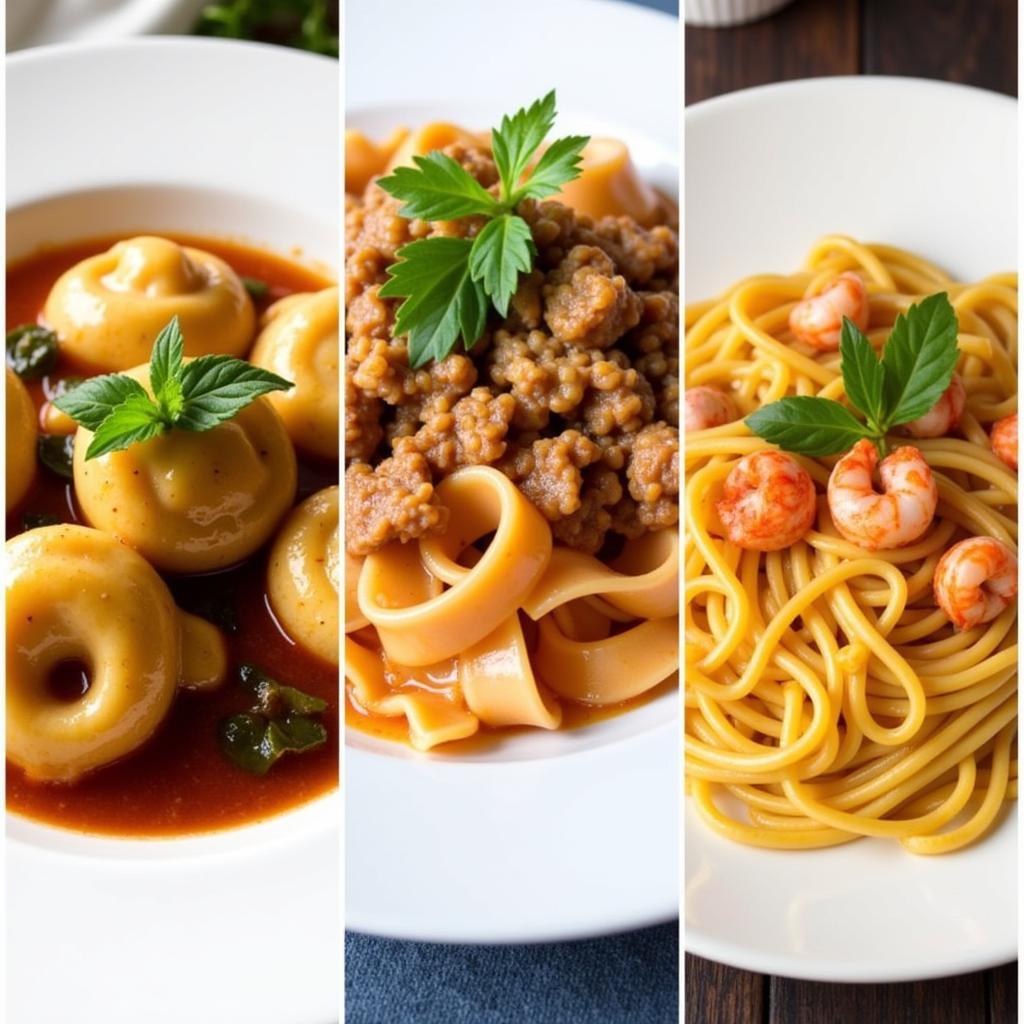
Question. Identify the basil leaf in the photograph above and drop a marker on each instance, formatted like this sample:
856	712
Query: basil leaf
502	250
438	188
516	140
216	607
863	374
165	364
297	733
135	419
216	388
56	452
256	288
919	359
32	351
273	697
559	164
243	738
92	401
441	299
807	425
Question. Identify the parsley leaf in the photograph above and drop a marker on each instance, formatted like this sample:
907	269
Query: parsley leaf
919	358
450	284
863	375
515	142
438	188
502	250
195	395
807	425
559	164
442	301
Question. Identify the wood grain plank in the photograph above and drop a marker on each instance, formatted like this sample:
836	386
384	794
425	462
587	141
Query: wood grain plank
956	40
806	39
959	1000
716	994
1002	994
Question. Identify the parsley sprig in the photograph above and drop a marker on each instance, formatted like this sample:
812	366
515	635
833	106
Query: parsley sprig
450	284
194	396
916	367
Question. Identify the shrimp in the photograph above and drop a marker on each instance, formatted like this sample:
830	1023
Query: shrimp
1004	439
975	580
707	407
944	415
897	516
818	320
768	502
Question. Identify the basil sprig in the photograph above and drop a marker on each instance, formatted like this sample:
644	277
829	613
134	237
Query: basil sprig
196	396
916	367
280	721
450	284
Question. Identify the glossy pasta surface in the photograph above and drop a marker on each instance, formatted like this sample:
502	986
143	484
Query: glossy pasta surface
827	697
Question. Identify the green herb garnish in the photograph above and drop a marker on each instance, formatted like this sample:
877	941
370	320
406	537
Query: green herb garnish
32	351
280	722
916	367
195	396
450	284
35	520
305	24
56	452
256	288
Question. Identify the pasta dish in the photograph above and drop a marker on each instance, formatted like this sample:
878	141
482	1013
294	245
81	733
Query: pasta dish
851	568
511	496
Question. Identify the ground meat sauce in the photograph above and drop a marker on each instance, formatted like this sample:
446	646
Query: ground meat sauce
574	395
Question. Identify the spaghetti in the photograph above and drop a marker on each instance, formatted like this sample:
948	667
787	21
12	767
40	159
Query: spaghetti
827	696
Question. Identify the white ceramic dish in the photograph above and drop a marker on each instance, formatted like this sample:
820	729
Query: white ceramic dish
550	836
931	167
243	924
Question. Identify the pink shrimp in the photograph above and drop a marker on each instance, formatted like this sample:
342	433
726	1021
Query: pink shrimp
944	415
768	502
818	320
707	407
893	518
1004	439
975	580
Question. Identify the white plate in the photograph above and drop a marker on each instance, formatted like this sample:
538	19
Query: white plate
931	167
554	835
243	924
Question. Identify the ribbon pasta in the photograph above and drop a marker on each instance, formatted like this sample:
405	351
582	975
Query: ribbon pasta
434	631
826	697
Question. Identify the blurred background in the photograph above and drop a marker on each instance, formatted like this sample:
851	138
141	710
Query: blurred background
306	24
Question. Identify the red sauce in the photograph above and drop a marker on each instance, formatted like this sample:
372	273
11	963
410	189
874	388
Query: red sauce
180	782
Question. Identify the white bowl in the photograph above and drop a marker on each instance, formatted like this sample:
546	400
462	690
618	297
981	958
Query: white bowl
551	835
931	167
175	134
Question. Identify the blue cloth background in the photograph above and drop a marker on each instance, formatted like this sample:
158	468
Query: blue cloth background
621	979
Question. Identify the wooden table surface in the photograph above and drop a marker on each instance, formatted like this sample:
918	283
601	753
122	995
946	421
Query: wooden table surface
970	41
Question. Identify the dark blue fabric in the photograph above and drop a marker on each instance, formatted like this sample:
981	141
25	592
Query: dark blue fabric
618	980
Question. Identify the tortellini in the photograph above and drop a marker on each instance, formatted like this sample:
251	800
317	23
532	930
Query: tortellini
108	310
77	596
22	432
300	343
303	575
192	502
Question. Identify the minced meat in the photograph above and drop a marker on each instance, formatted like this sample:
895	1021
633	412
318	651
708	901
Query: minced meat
574	395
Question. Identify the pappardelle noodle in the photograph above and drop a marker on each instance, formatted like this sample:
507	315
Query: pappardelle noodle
512	483
850	625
